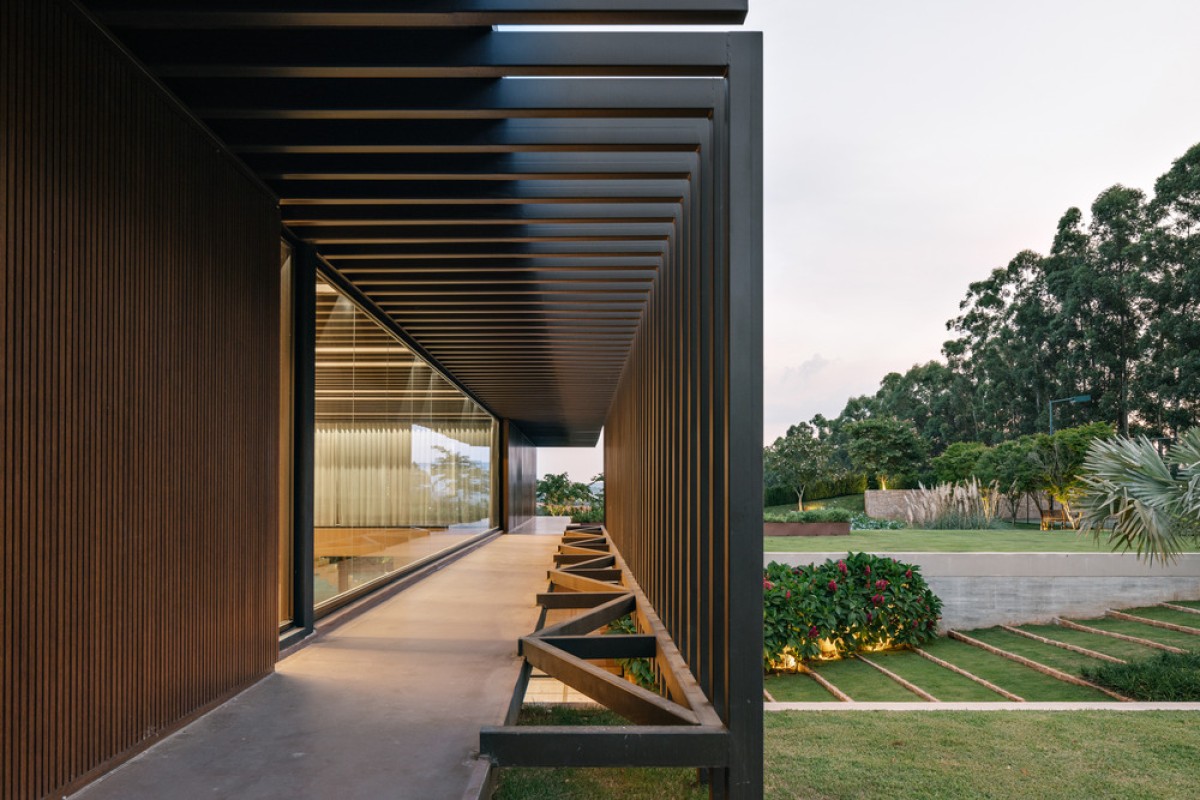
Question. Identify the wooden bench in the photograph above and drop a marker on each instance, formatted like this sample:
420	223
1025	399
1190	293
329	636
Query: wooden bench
1058	518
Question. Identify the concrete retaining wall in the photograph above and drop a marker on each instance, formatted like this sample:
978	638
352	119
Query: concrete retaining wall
979	590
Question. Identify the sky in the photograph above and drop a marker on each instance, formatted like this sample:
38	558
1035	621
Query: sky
911	148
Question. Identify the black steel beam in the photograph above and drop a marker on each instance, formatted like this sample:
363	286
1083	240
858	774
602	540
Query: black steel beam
640	746
232	14
605	645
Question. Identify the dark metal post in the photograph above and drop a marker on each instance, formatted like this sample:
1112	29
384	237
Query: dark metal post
304	316
745	298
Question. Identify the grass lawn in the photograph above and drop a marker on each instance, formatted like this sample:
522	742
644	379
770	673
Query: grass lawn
1018	679
1027	755
920	541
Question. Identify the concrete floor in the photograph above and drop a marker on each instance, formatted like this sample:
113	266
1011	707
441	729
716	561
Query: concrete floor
388	705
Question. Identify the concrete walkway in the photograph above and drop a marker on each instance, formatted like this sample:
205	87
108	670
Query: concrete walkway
388	705
999	706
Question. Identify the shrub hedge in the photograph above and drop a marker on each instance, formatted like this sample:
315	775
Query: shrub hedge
820	490
813	515
1165	677
860	602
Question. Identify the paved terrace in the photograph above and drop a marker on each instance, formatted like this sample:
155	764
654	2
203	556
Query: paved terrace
388	705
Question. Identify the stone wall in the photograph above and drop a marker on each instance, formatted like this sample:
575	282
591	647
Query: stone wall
979	590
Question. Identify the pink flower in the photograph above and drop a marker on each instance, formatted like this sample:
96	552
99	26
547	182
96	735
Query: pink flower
881	585
788	594
908	574
868	569
877	599
768	585
812	632
833	586
842	567
869	617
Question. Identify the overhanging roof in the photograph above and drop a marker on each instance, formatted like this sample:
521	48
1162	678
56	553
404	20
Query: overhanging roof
507	198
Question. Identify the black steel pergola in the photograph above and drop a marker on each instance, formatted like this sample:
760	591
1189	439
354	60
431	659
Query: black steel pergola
568	225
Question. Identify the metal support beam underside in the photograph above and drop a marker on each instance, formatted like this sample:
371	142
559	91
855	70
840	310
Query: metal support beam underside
506	198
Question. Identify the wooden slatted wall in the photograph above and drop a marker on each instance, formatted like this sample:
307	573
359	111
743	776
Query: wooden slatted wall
138	403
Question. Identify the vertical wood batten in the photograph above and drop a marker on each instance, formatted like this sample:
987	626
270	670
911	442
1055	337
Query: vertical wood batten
137	412
684	434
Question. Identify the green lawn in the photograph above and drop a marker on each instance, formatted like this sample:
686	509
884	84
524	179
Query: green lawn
920	541
917	755
1023	755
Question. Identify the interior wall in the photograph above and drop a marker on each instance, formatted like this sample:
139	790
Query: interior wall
520	478
138	408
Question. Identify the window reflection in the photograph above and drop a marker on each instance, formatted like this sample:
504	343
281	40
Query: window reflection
403	459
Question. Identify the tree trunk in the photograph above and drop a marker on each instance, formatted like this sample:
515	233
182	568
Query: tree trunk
799	499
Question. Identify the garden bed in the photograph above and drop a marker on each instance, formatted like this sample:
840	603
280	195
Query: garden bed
806	529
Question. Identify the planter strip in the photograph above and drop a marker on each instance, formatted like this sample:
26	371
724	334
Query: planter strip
1174	607
1074	648
912	687
1169	626
1075	626
1065	677
969	675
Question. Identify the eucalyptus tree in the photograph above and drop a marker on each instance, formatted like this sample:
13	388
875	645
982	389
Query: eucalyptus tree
1169	380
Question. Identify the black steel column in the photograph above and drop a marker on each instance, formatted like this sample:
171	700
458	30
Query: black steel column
304	320
745	309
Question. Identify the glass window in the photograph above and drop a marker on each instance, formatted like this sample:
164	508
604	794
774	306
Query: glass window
403	458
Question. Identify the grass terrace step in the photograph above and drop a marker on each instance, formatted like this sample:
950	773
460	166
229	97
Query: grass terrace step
1189	603
1184	640
1168	615
1101	644
1049	655
947	686
796	688
864	683
1020	680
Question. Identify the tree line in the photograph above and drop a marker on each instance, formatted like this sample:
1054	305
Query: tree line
1112	311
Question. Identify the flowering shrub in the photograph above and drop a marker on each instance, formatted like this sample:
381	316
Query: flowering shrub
860	602
861	522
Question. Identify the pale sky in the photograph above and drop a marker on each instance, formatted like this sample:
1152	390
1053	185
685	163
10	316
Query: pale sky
911	148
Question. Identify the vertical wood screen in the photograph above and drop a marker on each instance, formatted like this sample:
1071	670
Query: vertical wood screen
683	439
138	405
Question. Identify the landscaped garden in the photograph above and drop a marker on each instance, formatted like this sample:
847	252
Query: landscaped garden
863	628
